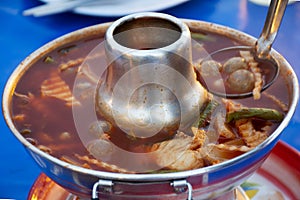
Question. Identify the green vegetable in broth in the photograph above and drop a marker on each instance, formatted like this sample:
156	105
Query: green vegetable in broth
260	113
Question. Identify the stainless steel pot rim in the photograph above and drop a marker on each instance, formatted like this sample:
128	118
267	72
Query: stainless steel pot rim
83	33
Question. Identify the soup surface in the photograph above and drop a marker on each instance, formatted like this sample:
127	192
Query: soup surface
60	83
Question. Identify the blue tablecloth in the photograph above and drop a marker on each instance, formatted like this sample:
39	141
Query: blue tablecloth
20	35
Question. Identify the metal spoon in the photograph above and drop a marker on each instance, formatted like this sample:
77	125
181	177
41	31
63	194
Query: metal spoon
260	51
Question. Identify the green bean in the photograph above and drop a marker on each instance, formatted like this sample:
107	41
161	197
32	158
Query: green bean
260	113
206	112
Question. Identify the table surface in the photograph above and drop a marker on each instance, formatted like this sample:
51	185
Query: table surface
21	35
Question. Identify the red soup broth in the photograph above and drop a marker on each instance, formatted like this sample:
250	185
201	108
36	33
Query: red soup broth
47	122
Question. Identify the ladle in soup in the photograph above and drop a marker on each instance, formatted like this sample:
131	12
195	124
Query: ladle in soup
231	65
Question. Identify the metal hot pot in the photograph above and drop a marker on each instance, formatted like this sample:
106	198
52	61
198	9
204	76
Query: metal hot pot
213	182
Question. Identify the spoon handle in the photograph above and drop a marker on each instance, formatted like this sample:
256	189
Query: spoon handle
272	24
